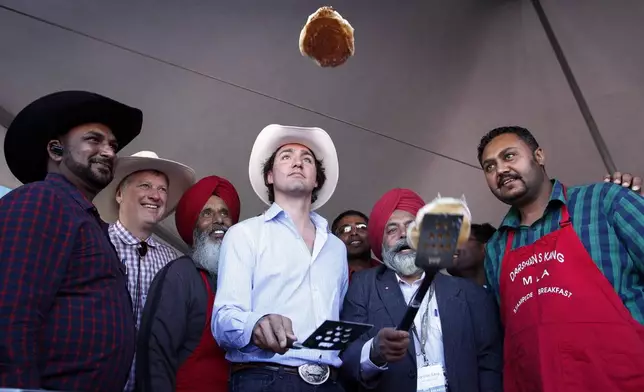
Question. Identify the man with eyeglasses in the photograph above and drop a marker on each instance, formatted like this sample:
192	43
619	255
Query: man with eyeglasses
351	227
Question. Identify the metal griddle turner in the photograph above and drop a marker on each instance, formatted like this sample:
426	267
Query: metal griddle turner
436	248
334	335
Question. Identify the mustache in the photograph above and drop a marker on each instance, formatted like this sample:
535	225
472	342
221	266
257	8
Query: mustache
107	162
399	246
504	177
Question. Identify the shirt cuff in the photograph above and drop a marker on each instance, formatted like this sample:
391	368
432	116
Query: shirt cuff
247	337
369	370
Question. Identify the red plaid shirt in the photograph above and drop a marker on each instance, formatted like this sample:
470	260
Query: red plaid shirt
65	313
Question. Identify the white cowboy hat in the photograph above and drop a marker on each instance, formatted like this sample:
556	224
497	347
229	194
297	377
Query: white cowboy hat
275	136
180	178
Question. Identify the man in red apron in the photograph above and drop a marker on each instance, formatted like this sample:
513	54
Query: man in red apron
176	350
567	265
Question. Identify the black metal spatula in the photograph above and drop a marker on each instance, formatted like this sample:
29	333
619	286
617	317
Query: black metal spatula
436	247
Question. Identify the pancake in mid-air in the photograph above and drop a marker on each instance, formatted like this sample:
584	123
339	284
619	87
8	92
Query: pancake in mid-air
327	38
442	205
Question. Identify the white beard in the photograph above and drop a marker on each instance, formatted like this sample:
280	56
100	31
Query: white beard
205	253
402	264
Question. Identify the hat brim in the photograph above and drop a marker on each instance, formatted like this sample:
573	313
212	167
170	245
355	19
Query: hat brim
317	140
180	178
49	117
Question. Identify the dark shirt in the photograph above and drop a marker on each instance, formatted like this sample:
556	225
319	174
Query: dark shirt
173	322
65	313
374	263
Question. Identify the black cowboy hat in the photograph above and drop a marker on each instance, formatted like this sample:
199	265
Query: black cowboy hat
49	117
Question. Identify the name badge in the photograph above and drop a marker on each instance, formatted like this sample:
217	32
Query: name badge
431	379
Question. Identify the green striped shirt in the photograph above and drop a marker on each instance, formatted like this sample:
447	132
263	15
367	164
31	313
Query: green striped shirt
609	220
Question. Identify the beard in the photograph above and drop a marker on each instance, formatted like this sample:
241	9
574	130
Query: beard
85	173
205	252
529	184
402	264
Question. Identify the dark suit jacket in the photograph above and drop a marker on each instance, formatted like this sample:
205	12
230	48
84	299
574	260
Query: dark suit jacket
472	337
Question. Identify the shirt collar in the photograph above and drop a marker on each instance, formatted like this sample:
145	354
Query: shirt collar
513	218
60	182
400	281
128	238
275	211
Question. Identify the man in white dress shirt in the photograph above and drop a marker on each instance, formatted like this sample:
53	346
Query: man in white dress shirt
282	274
455	341
144	191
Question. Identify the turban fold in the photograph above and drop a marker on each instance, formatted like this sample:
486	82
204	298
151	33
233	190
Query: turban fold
395	199
196	197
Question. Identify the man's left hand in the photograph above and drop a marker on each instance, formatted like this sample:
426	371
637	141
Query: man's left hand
626	180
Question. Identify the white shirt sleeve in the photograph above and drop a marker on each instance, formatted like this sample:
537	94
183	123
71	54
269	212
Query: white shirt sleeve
368	370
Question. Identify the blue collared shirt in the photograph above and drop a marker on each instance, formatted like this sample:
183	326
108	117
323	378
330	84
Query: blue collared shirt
265	267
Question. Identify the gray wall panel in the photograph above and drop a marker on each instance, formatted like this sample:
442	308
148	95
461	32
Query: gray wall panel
433	74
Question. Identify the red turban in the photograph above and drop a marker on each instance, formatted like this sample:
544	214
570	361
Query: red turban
395	199
196	197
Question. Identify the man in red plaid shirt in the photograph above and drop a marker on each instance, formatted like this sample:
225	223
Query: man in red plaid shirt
65	314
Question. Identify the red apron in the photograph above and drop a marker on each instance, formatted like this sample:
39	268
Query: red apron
565	327
206	369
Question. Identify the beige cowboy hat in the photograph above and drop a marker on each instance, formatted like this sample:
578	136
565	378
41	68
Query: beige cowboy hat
180	178
275	136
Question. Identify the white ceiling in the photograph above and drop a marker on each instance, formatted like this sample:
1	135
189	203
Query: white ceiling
427	81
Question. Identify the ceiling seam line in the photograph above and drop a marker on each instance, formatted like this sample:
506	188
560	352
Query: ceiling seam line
586	113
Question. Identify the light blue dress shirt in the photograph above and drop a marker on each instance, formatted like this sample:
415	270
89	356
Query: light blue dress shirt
265	267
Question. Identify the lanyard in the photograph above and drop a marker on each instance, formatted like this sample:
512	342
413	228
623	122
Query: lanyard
424	327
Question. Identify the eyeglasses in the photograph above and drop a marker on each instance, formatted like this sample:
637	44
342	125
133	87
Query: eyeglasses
346	229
